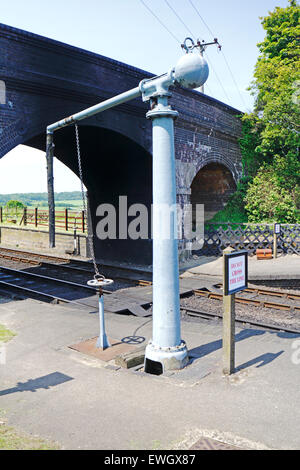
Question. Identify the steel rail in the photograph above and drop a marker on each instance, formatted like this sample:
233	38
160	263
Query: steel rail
199	313
35	256
143	282
40	294
47	278
244	300
63	267
184	308
257	290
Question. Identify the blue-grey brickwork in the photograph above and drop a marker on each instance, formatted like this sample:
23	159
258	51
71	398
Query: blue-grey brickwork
47	80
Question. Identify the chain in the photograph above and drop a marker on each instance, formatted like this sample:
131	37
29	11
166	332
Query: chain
84	200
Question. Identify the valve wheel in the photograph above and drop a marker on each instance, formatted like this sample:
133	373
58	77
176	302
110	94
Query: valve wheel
100	282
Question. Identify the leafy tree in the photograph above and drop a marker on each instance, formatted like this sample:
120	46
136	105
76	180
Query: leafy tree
271	133
268	201
14	206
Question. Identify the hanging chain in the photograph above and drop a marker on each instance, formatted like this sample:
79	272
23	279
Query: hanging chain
84	201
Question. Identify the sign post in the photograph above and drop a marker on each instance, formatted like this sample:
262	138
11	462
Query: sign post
235	279
277	229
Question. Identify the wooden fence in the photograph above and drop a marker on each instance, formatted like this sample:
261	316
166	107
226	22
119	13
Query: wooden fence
65	220
249	237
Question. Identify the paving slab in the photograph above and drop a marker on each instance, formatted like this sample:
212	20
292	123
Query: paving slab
284	267
50	390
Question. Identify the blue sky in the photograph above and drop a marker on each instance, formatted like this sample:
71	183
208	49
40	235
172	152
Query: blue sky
125	30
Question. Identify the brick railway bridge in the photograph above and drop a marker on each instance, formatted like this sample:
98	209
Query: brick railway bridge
47	80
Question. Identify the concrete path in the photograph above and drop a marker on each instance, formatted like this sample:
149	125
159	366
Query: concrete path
49	390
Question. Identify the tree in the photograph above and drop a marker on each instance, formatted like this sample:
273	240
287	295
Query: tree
271	133
267	201
14	205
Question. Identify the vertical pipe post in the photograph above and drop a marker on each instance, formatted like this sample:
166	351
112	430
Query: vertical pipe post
1	214
166	349
228	326
50	184
102	341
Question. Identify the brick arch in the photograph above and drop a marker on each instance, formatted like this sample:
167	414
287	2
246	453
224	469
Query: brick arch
212	186
220	159
113	165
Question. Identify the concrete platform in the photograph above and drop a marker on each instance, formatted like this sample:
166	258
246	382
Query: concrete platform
284	267
79	401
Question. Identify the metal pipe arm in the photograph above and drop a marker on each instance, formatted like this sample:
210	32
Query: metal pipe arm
110	103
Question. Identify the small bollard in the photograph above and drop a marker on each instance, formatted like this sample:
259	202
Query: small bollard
102	341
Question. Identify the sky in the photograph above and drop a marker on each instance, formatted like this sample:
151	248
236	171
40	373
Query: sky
127	31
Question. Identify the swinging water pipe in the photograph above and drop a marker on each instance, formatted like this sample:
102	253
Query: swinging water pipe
166	350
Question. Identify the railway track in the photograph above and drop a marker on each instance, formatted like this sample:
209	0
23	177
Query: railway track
54	289
46	287
71	265
83	267
82	296
257	302
268	326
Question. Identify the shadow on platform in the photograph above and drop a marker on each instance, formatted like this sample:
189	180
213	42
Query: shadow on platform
205	349
262	360
32	385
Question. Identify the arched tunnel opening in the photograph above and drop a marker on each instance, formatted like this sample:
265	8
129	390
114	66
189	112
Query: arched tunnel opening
212	186
113	165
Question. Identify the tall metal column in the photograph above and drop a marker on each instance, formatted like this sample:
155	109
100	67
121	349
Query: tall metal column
166	349
50	183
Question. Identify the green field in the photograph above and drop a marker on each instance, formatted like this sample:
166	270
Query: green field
65	200
65	204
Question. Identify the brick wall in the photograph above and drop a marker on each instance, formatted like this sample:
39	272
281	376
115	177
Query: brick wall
38	240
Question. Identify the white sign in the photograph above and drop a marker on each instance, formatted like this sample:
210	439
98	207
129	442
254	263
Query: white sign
236	272
277	229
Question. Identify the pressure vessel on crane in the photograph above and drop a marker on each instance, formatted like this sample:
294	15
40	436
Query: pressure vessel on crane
191	71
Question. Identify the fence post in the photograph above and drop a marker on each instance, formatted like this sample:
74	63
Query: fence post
36	216
83	221
277	229
25	216
1	214
66	220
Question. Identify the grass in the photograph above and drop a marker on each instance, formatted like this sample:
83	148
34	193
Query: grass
15	219
10	439
5	334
